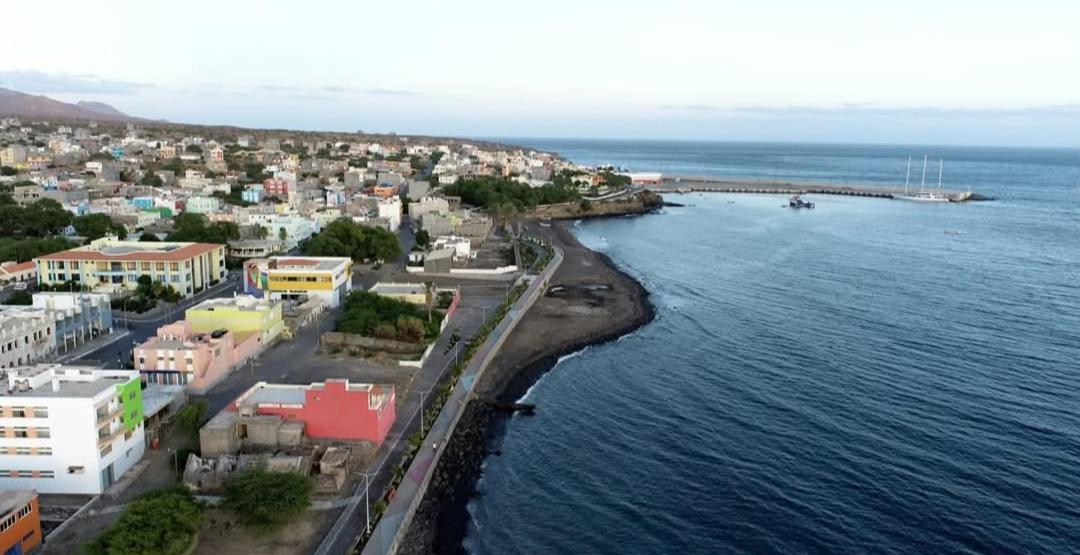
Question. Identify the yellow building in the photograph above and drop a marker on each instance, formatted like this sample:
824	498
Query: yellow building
111	266
241	315
298	278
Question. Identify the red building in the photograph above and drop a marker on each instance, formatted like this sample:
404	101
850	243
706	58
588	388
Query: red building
20	522
334	409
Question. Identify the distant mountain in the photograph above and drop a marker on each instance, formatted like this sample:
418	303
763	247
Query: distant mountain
101	108
14	103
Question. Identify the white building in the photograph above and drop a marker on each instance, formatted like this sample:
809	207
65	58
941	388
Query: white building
26	335
73	430
390	208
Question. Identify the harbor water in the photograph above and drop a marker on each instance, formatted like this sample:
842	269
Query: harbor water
871	376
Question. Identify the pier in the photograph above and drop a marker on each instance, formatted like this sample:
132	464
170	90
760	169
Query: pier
693	184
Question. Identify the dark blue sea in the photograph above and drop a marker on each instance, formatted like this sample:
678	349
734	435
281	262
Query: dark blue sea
872	376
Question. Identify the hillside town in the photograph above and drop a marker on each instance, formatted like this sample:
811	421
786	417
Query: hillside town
184	304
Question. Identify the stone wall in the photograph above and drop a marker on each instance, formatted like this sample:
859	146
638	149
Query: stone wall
336	339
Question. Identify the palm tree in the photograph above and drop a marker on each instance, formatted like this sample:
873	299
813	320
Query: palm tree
429	297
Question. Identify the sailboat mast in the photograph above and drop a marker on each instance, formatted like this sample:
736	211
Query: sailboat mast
940	168
907	177
922	186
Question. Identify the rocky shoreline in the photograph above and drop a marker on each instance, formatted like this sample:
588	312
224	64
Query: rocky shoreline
590	301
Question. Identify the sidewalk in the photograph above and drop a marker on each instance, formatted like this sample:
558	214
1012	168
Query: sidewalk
93	346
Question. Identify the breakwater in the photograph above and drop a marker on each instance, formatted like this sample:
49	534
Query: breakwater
713	184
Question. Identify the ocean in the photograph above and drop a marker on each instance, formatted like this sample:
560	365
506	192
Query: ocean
871	376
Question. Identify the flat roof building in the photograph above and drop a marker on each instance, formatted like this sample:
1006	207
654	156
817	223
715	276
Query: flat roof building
296	278
20	522
69	429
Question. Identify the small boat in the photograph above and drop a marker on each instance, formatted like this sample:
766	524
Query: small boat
797	202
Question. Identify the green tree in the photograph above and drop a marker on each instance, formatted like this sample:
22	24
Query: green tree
192	417
423	238
149	238
282	233
151	179
265	499
196	228
8	170
165	522
96	226
194	149
344	237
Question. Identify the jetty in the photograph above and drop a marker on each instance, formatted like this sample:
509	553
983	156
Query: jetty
718	184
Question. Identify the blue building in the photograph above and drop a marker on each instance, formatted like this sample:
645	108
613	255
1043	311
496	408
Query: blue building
253	193
143	203
79	317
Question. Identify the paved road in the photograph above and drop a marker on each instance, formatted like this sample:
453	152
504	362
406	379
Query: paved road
140	328
411	489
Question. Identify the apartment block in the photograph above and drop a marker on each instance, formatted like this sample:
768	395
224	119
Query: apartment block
69	429
77	317
27	335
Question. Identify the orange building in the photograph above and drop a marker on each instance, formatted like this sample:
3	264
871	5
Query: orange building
20	525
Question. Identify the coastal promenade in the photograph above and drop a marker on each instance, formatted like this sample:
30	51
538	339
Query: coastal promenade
395	521
717	184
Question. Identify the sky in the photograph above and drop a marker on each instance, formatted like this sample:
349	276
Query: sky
941	72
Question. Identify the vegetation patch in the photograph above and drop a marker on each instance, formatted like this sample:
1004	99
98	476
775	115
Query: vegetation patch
164	522
373	315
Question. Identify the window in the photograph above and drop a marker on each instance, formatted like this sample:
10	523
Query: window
22	450
106	450
43	432
41	412
46	474
131	266
44	451
25	511
21	432
18	412
145	266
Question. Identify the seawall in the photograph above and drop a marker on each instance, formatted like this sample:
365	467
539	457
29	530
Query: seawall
600	314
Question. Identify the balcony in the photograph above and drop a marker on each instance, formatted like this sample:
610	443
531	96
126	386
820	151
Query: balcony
106	416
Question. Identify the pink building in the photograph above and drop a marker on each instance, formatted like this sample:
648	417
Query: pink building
180	356
276	187
334	409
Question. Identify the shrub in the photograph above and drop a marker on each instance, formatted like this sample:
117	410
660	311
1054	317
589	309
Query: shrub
265	499
164	522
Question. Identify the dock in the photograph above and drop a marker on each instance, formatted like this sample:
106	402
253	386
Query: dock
710	184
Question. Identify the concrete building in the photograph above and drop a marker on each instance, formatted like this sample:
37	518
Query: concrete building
16	272
289	229
272	416
390	209
109	265
427	205
418	189
20	522
414	293
297	278
26	335
69	429
240	314
256	248
202	205
179	355
77	317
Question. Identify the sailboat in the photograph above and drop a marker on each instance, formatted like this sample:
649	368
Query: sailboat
924	194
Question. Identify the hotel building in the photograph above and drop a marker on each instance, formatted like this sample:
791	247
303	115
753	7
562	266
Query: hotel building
108	265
